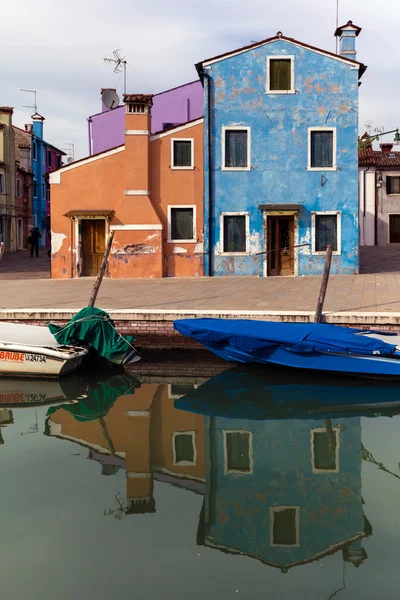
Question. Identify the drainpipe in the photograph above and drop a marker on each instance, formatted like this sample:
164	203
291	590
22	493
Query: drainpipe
364	205
210	186
89	120
376	211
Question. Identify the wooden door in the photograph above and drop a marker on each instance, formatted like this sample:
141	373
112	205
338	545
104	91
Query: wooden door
280	242
93	245
394	229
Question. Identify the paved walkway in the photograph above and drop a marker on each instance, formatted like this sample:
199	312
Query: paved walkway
371	292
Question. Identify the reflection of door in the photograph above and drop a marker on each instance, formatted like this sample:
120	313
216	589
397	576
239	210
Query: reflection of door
20	234
280	245
394	229
93	245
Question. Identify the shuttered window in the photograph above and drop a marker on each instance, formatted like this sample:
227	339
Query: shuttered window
321	149
324	456
236	145
280	74
182	153
392	185
182	224
238	451
234	233
284	529
326	232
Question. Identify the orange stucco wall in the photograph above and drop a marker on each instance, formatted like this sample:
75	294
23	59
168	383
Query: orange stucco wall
111	181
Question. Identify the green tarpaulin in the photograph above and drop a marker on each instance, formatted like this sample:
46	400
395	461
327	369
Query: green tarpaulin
95	327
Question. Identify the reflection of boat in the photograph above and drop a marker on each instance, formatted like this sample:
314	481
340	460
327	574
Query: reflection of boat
311	346
32	351
259	394
28	392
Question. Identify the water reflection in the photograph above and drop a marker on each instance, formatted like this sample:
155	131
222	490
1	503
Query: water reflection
281	477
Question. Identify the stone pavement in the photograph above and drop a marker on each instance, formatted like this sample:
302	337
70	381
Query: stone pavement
369	292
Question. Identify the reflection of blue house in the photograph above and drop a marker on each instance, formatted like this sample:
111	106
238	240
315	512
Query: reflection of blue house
277	491
283	155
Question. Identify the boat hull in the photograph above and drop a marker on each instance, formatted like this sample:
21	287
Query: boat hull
39	362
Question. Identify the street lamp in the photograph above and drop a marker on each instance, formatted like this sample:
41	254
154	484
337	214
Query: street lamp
366	141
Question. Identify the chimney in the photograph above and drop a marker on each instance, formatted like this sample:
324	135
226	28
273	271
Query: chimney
387	147
37	125
347	40
137	142
28	127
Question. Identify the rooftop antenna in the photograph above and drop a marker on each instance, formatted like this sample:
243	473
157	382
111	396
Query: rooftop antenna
34	105
119	62
72	151
337	23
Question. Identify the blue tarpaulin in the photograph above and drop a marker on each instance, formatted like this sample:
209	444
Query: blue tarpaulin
251	336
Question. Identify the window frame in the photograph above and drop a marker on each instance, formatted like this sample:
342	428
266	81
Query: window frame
34	150
170	240
175	167
338	214
221	227
226	128
386	181
228	471
276	509
184	463
290	57
49	163
334	149
336	430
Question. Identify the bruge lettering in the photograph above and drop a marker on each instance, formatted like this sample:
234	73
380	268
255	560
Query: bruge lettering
15	356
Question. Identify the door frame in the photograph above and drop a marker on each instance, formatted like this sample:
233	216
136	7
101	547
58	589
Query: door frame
391	214
281	213
77	242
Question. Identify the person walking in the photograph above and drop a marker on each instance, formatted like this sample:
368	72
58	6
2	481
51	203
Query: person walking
34	241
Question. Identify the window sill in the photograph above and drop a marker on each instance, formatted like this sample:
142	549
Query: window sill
184	463
234	472
182	168
280	92
234	253
393	194
235	168
181	241
322	168
323	253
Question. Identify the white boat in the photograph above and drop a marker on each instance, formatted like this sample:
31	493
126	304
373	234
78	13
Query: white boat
32	351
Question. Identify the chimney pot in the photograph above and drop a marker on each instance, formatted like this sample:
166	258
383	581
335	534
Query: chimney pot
387	147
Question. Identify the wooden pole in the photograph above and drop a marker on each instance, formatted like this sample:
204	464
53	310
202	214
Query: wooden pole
324	285
103	267
317	319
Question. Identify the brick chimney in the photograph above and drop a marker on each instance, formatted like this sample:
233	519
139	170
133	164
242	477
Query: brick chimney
347	40
387	147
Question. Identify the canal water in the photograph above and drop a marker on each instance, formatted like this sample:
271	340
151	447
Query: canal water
232	486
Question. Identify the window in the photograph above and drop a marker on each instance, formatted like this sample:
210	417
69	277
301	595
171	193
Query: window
284	525
392	185
177	390
236	148
322	148
181	223
49	159
280	74
58	161
184	448
18	188
182	154
326	230
238	452
234	232
34	189
34	150
324	456
2	190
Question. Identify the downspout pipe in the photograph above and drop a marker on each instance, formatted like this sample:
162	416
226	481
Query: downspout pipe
90	135
209	250
364	204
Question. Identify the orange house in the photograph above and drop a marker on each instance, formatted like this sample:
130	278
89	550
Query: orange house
148	191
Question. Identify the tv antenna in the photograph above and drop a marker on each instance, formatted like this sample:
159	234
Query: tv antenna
34	105
337	22
72	151
120	64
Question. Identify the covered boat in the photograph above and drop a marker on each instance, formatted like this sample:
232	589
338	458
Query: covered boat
256	394
311	346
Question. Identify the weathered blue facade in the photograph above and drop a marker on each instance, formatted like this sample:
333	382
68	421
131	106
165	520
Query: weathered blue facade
324	96
239	507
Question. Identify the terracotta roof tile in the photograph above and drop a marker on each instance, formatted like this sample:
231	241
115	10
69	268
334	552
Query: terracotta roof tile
367	157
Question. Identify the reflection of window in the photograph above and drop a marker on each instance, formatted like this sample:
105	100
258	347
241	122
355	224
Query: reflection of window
280	74
18	188
326	230
184	448
1	184
34	189
238	452
392	185
324	453
177	390
182	154
181	223
284	526
234	229
236	148
321	149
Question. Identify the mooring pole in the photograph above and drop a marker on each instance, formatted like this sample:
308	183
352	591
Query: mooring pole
103	267
317	319
324	285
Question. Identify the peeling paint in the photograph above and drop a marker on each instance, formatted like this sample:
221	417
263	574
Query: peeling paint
134	249
179	250
57	241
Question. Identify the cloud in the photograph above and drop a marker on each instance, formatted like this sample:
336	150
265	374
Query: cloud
59	49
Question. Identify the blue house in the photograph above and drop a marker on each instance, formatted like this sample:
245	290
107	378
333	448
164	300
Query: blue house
281	181
278	492
45	158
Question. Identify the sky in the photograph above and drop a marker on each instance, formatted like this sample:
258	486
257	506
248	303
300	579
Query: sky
57	49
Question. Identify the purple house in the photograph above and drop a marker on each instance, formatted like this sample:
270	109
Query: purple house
170	108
